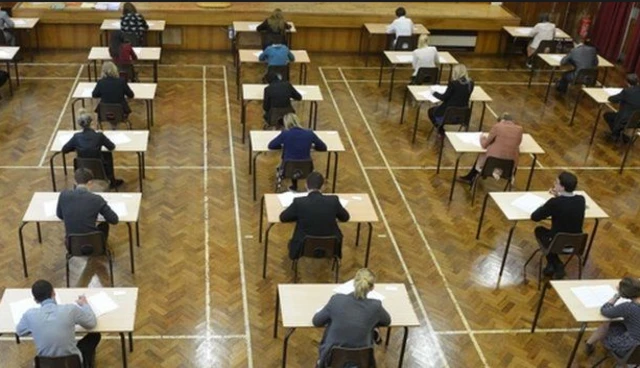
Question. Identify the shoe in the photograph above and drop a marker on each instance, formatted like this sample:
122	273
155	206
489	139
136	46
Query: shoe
116	183
549	270
589	348
529	65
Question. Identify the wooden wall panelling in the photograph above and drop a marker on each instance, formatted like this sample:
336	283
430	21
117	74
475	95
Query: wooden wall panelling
487	42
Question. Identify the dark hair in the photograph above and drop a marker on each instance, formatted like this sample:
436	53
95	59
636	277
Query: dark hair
400	12
83	175
587	41
629	287
544	17
568	181
42	290
117	39
315	181
128	8
632	79
273	77
505	116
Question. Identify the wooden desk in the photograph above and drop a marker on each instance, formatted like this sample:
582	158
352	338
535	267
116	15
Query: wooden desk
360	210
125	141
7	55
512	213
553	60
252	56
26	25
119	321
377	29
255	92
259	143
298	303
107	25
396	58
151	54
419	94
601	97
523	33
578	310
141	91
461	146
42	208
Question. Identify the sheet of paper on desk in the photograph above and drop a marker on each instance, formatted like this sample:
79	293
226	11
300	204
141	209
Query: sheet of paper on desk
523	30
286	198
593	296
444	59
18	308
137	50
4	54
87	5
301	92
470	138
108	6
253	26
613	91
50	208
257	54
87	92
101	303
20	22
117	23
429	97
119	138
119	208
439	89
64	138
557	58
404	58
528	202
348	288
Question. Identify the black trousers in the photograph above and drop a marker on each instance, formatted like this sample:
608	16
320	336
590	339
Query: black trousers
104	227
107	162
545	237
610	118
87	346
563	83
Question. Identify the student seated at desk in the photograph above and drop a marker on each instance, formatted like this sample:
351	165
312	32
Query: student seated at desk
351	320
629	99
543	31
277	54
6	23
401	26
88	144
296	143
79	207
424	56
457	94
502	142
620	336
53	326
122	54
583	56
133	23
314	215
273	29
278	94
112	89
566	210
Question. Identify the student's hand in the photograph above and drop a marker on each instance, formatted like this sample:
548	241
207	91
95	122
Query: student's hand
553	192
82	300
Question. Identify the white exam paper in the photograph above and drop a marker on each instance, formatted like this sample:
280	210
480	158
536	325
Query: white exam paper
101	303
286	198
404	58
523	30
557	58
20	307
4	54
348	288
50	208
64	138
116	23
137	50
119	138
253	26
429	97
87	92
344	202
257	54
20	22
593	296
119	208
613	91
301	92
439	89
528	202
470	138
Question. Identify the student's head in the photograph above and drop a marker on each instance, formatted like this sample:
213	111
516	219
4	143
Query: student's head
566	182
505	116
400	12
109	69
544	17
315	181
83	176
42	290
291	121
364	282
128	8
84	119
459	72
276	20
632	79
629	288
423	41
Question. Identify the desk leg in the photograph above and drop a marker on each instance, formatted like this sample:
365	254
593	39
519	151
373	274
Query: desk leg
314	106
366	257
531	75
335	173
506	248
510	55
140	174
326	175
484	207
266	250
9	75
484	108
604	79
575	347
386	341
255	173
393	75
144	166
137	235
595	124
284	347
130	246
533	166
53	172
626	153
593	235
15	65
575	107
275	319
238	71
124	350
250	155
131	342
450	72
404	345
22	253
146	105
546	95
415	123
455	174
95	69
17	339
380	75
360	40
440	154
89	71
155	71
243	118
539	307
404	103
261	219
73	111
366	59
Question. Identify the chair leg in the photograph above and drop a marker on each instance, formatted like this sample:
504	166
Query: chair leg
110	259
524	268
337	261
295	271
600	362
474	187
579	267
67	270
540	271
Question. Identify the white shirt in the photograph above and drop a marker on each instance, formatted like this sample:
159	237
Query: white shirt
542	32
426	57
401	26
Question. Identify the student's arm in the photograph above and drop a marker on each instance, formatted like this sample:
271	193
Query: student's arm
534	31
542	212
290	214
97	92
343	214
127	90
266	101
83	315
7	20
318	144
323	316
264	55
610	310
134	56
384	317
109	215
264	26
391	28
104	141
294	93
145	25
70	146
414	59
567	59
486	141
22	328
59	208
276	143
290	56
447	94
436	59
620	97
594	59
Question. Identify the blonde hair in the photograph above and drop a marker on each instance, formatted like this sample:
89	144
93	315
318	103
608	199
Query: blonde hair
363	283
291	121
109	69
276	21
423	41
459	72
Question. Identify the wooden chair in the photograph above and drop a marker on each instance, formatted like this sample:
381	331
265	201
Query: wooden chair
561	241
88	245
319	247
342	357
507	172
67	361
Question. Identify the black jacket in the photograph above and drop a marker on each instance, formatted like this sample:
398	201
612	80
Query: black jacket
567	214
271	36
629	100
113	91
79	209
279	94
88	144
457	94
314	215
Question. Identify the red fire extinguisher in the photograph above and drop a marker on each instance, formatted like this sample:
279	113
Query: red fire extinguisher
585	23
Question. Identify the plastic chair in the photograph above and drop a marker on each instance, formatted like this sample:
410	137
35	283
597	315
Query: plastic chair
561	241
88	245
632	358
319	247
67	361
294	169
113	114
493	163
405	43
351	357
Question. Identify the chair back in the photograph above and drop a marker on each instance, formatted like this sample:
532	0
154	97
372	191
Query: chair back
111	113
567	240
283	70
493	163
89	244
133	38
457	115
297	169
587	77
320	247
547	47
632	357
427	76
564	47
277	113
95	165
67	361
270	38
405	43
341	357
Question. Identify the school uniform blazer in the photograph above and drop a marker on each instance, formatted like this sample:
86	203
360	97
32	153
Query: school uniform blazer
502	142
457	94
88	144
314	215
279	94
113	91
629	99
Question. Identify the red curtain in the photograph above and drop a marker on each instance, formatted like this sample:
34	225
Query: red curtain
632	56
610	25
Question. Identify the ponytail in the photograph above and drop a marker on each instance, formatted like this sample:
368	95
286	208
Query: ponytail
363	283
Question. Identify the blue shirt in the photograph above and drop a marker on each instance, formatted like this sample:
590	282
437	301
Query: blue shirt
296	144
53	327
277	55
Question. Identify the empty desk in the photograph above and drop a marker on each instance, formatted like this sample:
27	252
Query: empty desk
151	54
252	56
372	29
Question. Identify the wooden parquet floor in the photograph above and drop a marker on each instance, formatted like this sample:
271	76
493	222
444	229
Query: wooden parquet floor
202	300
